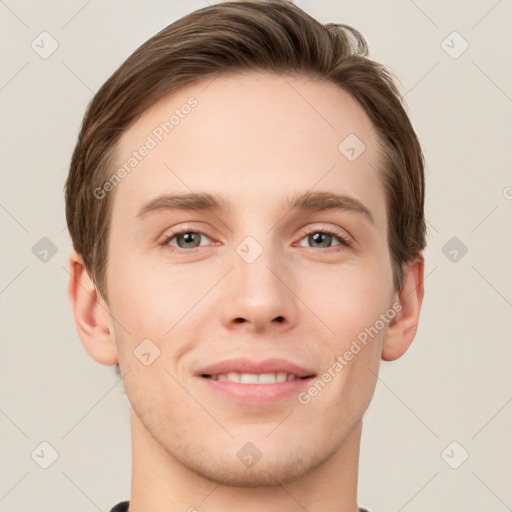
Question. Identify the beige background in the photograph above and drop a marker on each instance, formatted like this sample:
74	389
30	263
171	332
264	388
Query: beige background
455	382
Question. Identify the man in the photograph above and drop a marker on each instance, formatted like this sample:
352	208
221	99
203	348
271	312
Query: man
245	201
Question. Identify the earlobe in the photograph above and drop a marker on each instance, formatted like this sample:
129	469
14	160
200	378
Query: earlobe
402	329
92	316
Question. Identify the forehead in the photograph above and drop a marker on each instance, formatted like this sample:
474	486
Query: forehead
253	137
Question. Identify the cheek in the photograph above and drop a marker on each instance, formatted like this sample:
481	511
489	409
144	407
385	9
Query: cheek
349	297
149	299
354	312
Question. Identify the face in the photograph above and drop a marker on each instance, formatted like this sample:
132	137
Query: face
256	278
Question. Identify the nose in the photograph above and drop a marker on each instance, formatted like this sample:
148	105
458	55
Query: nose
259	296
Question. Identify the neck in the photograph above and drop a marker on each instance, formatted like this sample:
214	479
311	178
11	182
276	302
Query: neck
161	483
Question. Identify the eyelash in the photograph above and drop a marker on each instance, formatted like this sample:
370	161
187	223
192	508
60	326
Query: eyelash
344	241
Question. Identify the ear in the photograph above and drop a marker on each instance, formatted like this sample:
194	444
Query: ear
92	314
402	329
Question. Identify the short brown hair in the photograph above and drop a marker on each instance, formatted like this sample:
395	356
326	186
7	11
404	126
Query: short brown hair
232	37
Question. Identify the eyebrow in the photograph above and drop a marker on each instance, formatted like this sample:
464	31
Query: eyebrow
203	201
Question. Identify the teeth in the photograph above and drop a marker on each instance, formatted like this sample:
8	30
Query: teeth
251	378
247	378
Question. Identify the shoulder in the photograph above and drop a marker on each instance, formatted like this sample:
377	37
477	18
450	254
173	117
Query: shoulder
123	507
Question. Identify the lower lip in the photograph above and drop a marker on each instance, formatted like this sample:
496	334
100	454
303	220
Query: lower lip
257	394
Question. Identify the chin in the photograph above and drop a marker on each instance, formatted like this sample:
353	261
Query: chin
262	474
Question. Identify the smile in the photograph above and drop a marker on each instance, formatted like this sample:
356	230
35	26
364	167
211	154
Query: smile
251	378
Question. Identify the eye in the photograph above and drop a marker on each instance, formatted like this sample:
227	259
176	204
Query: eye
324	237
186	241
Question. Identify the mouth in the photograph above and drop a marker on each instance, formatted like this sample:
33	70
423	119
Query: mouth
243	370
256	378
247	382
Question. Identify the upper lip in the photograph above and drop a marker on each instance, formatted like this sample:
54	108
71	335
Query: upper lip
245	365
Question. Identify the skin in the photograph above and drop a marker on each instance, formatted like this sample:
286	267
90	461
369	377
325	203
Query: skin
256	139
